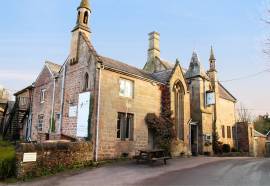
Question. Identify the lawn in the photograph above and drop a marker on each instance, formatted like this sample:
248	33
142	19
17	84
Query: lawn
7	160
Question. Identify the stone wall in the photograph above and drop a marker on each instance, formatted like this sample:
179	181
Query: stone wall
244	137
146	99
52	157
44	81
226	117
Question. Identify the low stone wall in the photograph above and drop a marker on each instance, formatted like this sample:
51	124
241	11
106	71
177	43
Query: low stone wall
52	157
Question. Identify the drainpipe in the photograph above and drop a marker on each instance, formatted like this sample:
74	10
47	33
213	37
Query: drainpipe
53	98
98	112
62	101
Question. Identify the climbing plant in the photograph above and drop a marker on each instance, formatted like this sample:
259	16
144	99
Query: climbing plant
163	125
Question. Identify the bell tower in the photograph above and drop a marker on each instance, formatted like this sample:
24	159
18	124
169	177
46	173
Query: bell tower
83	19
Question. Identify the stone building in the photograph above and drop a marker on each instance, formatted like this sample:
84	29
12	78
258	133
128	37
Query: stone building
104	100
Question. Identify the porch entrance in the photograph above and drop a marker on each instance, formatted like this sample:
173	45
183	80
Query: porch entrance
194	141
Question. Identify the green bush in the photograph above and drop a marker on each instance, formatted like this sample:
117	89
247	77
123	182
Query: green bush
226	148
7	160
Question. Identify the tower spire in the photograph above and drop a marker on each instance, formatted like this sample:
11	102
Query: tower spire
212	60
212	55
83	17
85	4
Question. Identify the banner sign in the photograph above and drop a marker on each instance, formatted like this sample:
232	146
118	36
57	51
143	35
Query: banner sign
83	114
210	98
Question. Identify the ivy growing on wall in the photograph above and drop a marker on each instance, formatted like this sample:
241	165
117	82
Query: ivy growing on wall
163	125
91	108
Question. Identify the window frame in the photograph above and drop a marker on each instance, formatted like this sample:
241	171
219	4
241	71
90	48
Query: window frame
223	131
43	95
229	132
125	132
125	94
39	123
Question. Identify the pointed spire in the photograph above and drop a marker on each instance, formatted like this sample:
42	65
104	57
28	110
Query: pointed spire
195	58
195	68
212	55
85	4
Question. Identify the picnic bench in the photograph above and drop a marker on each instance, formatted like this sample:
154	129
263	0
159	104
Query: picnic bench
152	156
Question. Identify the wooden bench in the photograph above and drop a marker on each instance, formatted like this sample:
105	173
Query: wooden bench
152	156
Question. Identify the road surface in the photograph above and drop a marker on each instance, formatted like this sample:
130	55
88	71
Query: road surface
200	171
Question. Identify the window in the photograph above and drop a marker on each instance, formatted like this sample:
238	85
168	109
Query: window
179	109
125	124
126	88
86	82
85	18
42	95
234	133
223	131
229	132
40	122
251	132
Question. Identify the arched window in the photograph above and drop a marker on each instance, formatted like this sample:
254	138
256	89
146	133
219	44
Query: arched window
86	82
179	93
85	17
78	18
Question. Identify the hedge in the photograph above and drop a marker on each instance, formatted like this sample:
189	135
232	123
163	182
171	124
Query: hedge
7	160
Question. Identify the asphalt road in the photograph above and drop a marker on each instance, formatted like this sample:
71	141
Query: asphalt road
246	172
200	171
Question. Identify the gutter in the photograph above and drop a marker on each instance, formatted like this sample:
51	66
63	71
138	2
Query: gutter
62	101
100	67
53	99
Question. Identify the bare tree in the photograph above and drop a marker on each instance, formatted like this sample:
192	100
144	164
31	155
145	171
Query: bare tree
243	114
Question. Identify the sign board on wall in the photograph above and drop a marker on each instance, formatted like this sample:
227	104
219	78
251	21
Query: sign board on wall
83	114
29	157
210	98
72	111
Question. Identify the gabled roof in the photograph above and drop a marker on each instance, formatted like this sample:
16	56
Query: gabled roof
118	65
23	90
53	68
225	94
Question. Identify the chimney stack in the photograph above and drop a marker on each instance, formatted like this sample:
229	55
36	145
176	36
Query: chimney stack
154	50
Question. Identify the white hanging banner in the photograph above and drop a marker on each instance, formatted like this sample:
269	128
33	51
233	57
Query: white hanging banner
83	114
210	98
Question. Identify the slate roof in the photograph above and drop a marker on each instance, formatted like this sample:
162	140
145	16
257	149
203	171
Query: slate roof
225	94
115	64
54	68
163	76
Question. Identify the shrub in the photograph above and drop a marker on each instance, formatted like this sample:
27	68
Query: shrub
7	160
226	148
234	150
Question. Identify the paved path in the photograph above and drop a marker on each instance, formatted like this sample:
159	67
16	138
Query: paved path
185	171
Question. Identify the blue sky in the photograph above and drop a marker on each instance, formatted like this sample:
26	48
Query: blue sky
32	31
